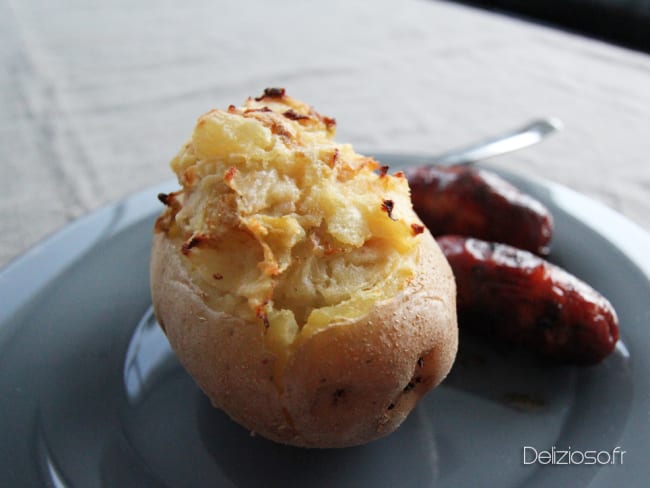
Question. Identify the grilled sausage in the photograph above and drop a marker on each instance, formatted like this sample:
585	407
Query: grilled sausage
515	296
478	203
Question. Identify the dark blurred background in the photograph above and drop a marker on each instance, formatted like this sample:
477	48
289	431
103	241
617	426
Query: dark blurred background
622	22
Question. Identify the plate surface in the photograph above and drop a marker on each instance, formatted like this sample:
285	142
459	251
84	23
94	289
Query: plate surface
91	395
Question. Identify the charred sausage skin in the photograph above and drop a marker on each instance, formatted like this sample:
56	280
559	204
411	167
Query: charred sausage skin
514	296
478	203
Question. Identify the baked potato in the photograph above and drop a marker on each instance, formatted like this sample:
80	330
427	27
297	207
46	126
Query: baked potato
294	281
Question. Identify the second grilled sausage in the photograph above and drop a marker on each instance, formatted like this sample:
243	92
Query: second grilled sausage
514	296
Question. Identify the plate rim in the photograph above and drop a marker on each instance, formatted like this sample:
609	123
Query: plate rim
142	204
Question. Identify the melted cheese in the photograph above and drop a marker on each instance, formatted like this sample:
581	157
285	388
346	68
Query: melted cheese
285	226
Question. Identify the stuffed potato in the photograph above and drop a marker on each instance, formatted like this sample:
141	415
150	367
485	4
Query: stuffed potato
294	281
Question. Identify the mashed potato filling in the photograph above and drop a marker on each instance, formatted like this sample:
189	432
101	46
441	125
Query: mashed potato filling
280	224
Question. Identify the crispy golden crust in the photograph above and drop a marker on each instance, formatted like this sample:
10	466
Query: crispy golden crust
344	385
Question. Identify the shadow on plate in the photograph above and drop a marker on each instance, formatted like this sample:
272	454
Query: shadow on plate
493	402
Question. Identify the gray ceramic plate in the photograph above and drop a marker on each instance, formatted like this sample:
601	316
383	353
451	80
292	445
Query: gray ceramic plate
90	394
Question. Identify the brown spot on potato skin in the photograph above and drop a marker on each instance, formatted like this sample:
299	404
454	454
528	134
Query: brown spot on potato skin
383	171
409	386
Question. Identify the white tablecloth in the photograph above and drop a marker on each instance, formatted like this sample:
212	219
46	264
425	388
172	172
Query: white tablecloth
96	99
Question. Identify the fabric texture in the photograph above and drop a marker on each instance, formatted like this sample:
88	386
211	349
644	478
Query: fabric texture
97	97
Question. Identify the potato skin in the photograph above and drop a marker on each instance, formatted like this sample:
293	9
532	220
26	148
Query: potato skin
348	384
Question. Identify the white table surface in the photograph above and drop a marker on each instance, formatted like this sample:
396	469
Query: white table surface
96	97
